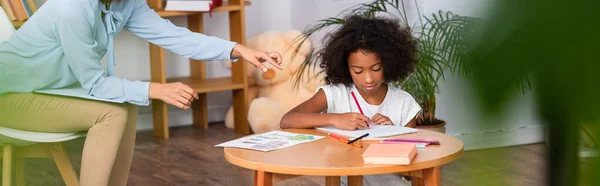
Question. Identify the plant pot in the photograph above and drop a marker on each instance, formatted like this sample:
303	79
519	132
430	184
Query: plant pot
438	126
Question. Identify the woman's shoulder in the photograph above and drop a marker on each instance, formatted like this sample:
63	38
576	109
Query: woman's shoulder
64	9
82	4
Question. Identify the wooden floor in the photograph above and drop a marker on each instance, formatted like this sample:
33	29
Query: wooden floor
190	158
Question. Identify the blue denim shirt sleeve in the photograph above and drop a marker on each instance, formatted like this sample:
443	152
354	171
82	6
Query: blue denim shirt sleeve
147	24
75	37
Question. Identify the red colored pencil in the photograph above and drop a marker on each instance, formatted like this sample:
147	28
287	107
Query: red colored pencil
335	136
359	109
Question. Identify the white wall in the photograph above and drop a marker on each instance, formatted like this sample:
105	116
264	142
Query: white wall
305	12
517	123
475	8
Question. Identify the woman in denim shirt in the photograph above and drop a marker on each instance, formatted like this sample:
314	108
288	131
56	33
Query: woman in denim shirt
63	44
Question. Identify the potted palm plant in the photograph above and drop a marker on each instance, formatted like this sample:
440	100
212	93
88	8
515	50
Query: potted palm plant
442	43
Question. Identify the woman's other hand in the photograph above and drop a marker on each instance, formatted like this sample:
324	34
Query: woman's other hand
177	94
257	57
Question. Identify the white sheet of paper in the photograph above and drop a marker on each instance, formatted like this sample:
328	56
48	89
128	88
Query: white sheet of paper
375	131
270	141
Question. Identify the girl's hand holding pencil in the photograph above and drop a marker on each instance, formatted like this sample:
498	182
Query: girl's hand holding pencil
358	105
349	121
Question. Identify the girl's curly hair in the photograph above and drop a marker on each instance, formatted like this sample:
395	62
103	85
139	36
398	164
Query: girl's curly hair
393	44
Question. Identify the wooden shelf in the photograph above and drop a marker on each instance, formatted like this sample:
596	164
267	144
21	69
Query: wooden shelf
237	83
222	8
209	85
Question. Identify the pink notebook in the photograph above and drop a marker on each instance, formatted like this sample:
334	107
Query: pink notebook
391	154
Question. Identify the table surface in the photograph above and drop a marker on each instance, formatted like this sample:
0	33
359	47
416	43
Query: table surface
328	157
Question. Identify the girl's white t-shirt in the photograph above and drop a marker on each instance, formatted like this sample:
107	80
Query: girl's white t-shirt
398	104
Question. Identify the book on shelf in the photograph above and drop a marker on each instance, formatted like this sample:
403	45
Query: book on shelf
5	4
192	5
19	10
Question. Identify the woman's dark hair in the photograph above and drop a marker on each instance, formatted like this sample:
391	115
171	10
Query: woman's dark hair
392	43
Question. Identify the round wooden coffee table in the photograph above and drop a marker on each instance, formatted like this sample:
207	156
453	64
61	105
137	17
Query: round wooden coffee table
330	158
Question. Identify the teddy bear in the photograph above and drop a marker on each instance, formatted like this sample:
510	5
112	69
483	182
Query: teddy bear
271	94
